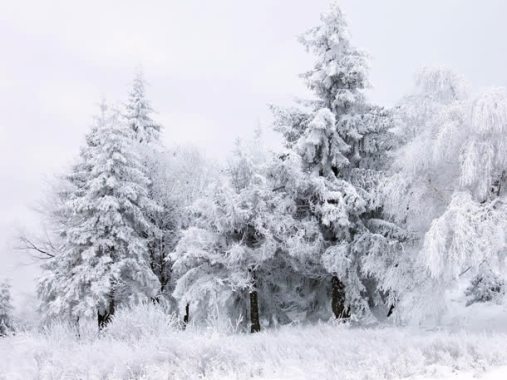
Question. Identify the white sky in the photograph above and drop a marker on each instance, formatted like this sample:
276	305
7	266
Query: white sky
213	66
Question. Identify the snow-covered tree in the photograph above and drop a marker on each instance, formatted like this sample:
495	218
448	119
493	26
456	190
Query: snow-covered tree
340	142
138	113
177	177
105	261
5	308
435	88
180	176
221	256
146	134
451	172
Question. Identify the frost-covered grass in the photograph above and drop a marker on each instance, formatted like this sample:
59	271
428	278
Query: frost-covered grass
148	344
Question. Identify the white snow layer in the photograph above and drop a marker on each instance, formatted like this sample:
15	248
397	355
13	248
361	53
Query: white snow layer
148	345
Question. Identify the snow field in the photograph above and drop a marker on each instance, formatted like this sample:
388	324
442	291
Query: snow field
151	345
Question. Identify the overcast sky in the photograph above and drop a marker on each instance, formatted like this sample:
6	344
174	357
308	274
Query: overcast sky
213	66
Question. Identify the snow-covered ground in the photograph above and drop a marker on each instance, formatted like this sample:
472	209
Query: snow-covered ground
154	348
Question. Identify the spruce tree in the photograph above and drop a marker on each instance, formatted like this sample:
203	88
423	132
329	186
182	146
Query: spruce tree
340	142
146	134
138	113
105	262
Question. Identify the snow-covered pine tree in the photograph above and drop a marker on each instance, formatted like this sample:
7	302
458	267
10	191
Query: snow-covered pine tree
5	308
221	256
105	262
59	218
146	134
138	113
451	171
341	141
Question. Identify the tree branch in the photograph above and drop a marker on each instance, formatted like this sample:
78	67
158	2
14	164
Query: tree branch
42	253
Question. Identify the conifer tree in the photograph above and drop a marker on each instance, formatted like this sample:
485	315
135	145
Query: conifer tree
105	261
146	134
340	142
138	113
224	252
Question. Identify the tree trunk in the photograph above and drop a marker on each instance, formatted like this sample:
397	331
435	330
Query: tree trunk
338	299
254	312
105	317
390	312
78	332
186	317
255	325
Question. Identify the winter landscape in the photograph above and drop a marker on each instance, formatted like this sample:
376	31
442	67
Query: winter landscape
337	228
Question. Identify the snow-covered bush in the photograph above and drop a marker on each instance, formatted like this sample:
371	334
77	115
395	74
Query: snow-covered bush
141	321
60	331
485	287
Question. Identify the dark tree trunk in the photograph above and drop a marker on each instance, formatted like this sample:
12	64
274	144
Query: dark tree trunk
254	312
390	312
105	317
338	299
186	317
78	333
255	325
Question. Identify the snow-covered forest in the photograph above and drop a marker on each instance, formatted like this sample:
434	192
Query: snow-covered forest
370	244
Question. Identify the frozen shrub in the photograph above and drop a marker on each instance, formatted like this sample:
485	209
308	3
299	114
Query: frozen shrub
485	287
141	321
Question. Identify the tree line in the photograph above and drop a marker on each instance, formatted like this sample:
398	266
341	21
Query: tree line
365	213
